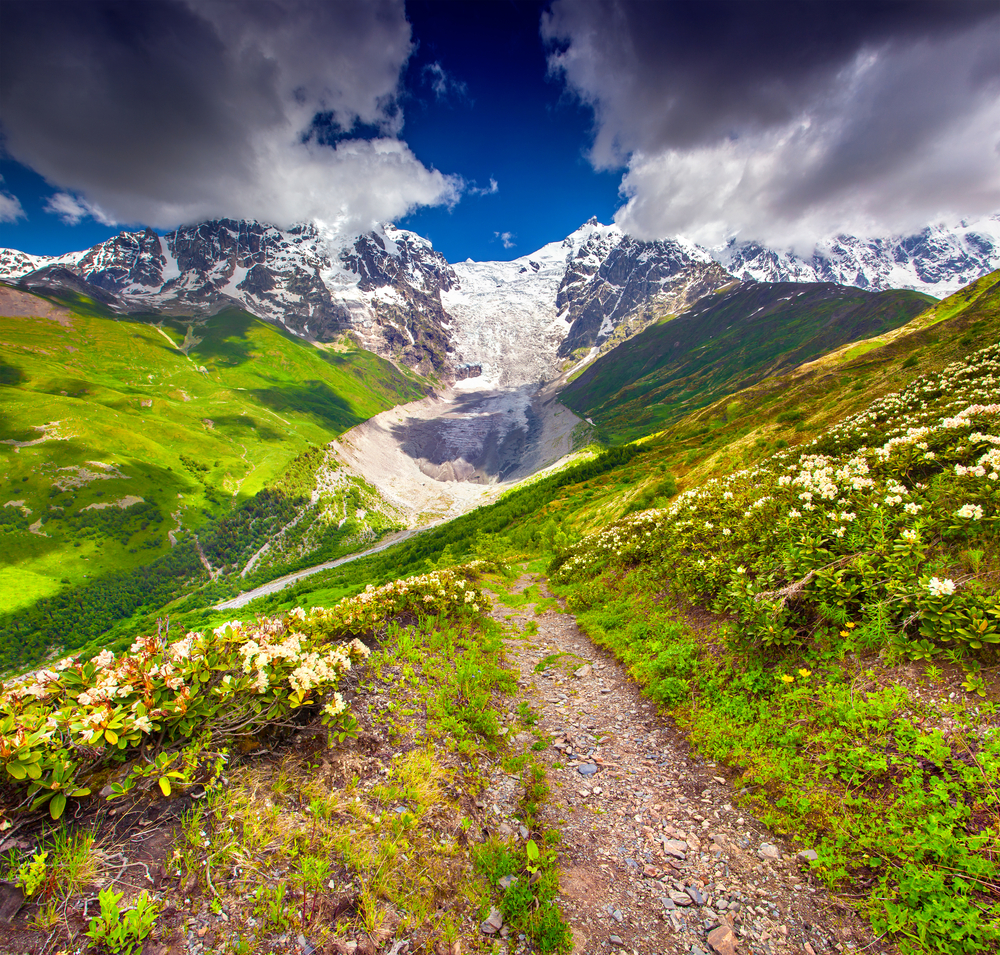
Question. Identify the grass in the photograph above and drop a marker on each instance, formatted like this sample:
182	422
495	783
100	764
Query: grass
187	433
724	343
840	685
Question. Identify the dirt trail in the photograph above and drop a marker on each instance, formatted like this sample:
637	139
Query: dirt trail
656	857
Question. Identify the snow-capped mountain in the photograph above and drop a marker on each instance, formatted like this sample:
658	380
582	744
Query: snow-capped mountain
937	260
520	320
382	287
483	325
507	323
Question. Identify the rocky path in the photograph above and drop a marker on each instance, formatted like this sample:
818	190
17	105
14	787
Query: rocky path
656	855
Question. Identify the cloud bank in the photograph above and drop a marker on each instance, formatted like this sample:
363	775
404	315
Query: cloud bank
787	121
166	112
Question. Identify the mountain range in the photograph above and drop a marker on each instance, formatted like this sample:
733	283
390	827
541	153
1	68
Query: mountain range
457	322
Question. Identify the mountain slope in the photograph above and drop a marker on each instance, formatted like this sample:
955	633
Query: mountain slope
506	323
723	343
114	432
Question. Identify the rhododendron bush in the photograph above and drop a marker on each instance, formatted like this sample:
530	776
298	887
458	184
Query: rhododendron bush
166	706
862	525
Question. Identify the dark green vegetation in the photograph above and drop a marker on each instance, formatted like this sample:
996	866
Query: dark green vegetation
817	606
725	342
119	432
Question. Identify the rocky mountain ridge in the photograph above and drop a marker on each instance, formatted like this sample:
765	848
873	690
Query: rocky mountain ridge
481	325
937	260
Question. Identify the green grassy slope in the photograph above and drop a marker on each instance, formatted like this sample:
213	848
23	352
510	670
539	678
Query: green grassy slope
818	609
725	342
97	410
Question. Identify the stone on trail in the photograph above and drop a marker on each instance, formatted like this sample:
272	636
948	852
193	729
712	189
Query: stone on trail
769	851
675	847
587	769
807	855
722	940
583	671
679	898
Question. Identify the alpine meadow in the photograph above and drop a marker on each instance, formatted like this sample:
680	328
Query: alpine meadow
370	585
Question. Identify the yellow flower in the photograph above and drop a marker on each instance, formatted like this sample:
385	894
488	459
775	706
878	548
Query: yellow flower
845	633
850	626
805	672
785	678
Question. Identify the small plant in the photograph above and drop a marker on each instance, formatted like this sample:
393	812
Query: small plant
122	933
32	875
531	851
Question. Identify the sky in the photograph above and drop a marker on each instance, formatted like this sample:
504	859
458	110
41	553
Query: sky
493	128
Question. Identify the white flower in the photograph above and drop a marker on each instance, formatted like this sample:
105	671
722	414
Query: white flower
940	588
104	659
970	511
910	536
143	724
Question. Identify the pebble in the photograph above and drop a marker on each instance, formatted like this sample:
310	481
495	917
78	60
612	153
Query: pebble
769	851
493	922
616	941
696	896
807	855
587	769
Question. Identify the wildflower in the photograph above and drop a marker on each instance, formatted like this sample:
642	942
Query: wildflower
336	707
143	724
940	588
803	672
910	536
970	511
104	659
785	678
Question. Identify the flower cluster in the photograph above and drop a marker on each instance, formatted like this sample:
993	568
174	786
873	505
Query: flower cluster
58	724
877	493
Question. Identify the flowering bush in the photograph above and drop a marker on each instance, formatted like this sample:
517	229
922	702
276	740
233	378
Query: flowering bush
61	726
865	517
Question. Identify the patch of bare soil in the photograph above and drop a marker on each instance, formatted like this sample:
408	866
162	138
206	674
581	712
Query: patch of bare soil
15	303
656	855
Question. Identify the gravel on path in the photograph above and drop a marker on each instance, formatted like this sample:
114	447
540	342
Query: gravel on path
657	857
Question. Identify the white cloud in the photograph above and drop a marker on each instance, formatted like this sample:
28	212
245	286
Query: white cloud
72	209
491	190
444	84
10	207
506	238
177	112
788	122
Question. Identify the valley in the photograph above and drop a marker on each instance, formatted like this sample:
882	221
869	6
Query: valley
440	492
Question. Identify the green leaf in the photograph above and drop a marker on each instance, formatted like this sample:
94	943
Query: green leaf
17	770
57	805
164	785
111	736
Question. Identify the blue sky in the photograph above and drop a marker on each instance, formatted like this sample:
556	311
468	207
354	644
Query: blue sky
495	127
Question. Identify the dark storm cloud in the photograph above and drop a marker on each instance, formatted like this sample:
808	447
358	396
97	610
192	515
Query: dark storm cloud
167	111
785	117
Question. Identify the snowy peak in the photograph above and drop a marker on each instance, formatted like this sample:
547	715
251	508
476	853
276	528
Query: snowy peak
612	278
937	260
485	325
